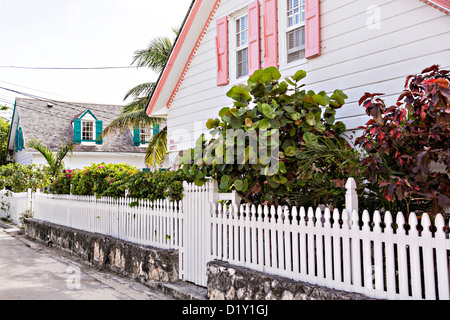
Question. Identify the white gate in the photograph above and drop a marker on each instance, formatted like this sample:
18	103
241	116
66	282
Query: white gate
195	252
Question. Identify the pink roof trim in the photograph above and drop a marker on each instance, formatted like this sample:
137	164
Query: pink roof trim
441	5
179	44
173	57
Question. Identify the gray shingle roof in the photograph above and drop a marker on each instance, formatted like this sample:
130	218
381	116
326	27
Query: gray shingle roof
51	124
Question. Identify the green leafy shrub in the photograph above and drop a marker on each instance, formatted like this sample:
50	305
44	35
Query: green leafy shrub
98	179
266	106
157	185
62	184
19	178
114	180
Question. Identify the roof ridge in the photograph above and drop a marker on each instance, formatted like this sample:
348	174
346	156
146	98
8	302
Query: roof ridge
72	102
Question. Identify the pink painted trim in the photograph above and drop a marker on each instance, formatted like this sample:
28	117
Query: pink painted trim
441	5
222	51
312	28
270	33
174	56
176	51
254	55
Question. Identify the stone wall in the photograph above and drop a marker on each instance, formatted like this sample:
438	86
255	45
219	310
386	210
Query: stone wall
107	253
228	282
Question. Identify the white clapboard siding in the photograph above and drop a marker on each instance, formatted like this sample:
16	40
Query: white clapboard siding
354	58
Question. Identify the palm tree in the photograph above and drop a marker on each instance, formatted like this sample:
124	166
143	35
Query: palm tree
55	161
133	114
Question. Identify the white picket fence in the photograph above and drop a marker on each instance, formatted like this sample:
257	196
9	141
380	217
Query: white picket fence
139	221
314	247
333	249
13	205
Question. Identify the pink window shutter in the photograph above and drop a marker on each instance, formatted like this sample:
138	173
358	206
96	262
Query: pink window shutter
270	34
312	28
254	56
222	51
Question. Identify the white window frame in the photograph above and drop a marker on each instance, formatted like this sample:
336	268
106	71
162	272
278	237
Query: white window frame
87	132
88	118
145	132
285	29
232	40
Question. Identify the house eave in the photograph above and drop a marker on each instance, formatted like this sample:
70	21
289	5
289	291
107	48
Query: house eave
183	51
441	5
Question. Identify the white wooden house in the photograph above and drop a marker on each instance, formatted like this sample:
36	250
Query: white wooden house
55	122
354	45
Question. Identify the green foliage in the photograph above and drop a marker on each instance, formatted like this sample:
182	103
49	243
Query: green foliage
157	185
4	134
157	149
324	170
54	161
133	114
265	107
98	179
19	178
114	179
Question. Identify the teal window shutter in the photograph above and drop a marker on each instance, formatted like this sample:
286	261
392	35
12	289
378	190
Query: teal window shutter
16	141
137	136
77	131
21	144
98	131
155	129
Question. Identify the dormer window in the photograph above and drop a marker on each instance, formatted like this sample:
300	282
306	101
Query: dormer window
146	134
87	129
143	135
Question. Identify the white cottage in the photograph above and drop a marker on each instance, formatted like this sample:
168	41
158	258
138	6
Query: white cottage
354	45
55	121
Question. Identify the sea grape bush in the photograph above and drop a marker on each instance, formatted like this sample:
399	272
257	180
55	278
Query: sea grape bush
266	107
157	185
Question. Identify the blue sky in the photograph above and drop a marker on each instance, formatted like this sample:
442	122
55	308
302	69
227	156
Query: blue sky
80	33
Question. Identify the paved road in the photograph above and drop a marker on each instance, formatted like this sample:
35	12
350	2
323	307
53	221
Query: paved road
30	271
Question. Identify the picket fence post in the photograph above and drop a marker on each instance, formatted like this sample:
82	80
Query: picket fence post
351	196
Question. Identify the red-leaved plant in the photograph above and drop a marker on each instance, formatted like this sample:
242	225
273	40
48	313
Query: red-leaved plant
407	144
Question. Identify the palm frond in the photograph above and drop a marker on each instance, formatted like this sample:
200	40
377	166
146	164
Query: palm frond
155	55
141	90
157	149
44	150
64	150
128	121
136	105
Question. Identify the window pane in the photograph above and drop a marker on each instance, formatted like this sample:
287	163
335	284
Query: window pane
87	130
146	134
295	12
242	63
242	31
296	44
